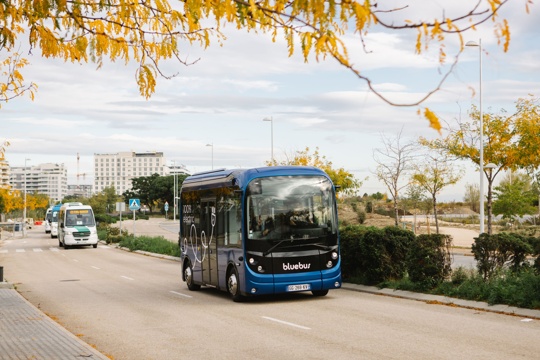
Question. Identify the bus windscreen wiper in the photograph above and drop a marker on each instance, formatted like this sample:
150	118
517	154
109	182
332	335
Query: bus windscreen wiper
275	246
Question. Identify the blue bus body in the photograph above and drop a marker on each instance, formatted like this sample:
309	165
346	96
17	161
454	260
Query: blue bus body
54	220
258	231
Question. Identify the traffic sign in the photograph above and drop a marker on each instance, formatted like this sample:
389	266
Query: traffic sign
166	206
134	204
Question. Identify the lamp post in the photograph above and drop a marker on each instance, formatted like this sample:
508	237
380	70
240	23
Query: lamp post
481	162
271	136
212	146
24	208
174	190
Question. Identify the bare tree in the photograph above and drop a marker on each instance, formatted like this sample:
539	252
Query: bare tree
472	196
394	161
432	175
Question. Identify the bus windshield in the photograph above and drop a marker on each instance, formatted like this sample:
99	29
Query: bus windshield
299	209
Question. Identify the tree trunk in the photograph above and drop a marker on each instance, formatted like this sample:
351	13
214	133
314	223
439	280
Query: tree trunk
435	214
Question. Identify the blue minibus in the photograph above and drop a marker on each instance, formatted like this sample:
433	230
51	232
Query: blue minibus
258	231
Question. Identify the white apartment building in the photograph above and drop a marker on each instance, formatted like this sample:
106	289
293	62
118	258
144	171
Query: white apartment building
117	170
80	190
4	174
49	179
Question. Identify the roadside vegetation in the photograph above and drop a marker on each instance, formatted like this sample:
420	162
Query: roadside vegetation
507	272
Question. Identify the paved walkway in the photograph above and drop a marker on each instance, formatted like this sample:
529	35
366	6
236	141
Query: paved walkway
27	333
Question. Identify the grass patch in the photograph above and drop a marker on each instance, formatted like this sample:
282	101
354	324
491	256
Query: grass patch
157	245
520	289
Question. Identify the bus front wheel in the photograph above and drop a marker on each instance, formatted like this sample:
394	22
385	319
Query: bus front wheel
320	292
233	286
188	276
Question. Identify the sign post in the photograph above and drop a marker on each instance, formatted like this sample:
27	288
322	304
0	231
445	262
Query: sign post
134	205
166	209
120	206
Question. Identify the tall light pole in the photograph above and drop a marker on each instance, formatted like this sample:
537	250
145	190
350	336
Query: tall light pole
24	208
212	146
174	190
271	136
479	45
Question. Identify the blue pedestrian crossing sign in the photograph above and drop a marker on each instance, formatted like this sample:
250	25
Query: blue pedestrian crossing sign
134	204
166	206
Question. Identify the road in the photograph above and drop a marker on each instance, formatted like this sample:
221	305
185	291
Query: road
131	306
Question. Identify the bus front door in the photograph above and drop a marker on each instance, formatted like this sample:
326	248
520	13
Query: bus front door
208	224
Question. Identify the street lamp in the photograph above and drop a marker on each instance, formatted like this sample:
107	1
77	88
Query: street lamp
212	146
481	162
174	189
271	136
24	208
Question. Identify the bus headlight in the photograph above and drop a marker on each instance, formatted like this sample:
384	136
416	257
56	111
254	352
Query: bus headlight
334	255
260	269
329	264
252	261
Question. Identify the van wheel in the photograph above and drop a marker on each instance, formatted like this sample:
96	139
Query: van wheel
94	246
60	243
188	276
233	285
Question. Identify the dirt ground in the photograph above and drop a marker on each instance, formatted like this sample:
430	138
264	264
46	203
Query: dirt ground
462	235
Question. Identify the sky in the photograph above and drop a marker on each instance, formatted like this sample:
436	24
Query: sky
223	99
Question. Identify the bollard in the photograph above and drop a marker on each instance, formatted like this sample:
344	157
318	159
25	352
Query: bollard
1	274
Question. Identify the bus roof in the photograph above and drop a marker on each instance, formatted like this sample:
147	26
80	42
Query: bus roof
241	177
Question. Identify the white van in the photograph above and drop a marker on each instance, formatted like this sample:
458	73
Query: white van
48	220
76	226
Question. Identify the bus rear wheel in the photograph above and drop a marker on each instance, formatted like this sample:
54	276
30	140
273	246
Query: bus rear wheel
188	276
233	286
320	292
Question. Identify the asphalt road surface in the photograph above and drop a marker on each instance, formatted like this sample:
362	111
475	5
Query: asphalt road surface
131	306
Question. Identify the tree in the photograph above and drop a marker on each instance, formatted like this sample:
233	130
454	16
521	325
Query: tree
508	143
514	196
472	196
394	161
344	180
433	175
151	32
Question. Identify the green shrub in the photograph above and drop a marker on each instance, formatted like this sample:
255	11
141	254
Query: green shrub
374	255
157	245
428	260
493	252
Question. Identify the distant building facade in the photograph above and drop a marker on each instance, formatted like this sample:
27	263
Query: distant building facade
49	179
117	170
4	174
80	190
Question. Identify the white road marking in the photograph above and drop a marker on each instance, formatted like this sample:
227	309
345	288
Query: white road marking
38	250
3	251
54	249
125	277
20	250
180	294
286	323
95	267
75	260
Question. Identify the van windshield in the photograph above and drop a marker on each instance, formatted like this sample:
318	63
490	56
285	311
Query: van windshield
80	217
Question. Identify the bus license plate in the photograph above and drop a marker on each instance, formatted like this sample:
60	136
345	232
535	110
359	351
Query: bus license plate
301	287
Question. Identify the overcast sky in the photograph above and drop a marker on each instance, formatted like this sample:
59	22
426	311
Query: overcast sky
223	99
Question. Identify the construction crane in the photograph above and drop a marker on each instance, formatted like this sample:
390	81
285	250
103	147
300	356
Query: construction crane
78	173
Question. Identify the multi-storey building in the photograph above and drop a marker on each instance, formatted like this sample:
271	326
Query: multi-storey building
49	179
118	169
80	190
4	174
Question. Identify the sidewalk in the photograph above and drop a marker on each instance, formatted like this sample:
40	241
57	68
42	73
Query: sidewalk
27	333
